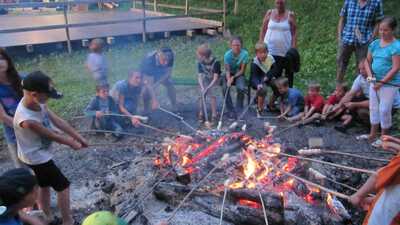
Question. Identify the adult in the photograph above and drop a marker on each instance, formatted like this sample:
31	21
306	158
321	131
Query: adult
355	103
280	34
131	91
10	95
355	31
235	62
383	63
156	67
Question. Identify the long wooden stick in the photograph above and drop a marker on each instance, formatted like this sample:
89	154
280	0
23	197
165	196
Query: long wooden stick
142	118
223	204
337	194
321	151
119	132
325	163
217	166
263	207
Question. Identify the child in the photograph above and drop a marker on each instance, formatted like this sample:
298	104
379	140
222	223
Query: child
291	99
313	105
99	107
260	75
96	62
383	63
384	208
130	93
235	61
331	109
34	126
209	70
18	190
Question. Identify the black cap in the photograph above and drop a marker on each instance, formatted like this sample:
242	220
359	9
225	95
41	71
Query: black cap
39	82
15	184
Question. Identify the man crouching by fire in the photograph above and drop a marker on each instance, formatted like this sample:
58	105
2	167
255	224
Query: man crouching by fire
384	208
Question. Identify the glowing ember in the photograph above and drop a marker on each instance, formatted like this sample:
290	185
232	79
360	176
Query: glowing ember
288	185
249	203
310	197
290	165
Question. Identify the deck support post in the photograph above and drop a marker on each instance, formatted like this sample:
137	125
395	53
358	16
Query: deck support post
144	21
67	27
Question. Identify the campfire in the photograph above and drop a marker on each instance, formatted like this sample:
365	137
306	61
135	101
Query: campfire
252	186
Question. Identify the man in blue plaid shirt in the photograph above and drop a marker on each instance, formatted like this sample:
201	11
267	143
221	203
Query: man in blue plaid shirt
356	30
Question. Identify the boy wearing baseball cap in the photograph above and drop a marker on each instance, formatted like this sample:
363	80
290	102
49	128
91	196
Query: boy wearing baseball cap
34	126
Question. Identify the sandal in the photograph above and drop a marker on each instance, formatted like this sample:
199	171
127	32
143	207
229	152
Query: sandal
377	143
362	137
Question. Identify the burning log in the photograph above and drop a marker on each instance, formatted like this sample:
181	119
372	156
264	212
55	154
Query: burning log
223	160
340	195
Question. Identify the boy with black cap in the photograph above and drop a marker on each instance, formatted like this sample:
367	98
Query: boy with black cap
34	126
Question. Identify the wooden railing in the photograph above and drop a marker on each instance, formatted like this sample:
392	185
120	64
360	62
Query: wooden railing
196	12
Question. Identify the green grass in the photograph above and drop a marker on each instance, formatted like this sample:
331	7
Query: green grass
317	21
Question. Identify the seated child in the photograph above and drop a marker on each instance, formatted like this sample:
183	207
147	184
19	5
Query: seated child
313	105
331	109
131	92
291	99
96	62
384	208
260	75
18	190
100	108
209	71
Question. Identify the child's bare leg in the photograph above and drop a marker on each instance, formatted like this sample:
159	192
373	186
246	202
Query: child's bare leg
296	117
346	119
374	132
63	202
313	117
385	132
260	102
44	202
213	107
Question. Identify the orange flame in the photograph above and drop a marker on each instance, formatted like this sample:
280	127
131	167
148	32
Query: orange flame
249	203
251	165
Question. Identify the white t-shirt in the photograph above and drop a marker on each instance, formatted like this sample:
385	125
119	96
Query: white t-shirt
32	148
361	84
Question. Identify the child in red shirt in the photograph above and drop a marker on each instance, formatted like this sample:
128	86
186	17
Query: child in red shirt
331	109
313	105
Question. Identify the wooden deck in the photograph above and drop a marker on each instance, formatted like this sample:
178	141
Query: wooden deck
9	39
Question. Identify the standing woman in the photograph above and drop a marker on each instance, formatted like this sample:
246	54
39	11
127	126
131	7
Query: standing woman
10	95
383	63
279	33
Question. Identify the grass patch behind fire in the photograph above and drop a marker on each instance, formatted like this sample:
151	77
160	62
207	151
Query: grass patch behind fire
317	21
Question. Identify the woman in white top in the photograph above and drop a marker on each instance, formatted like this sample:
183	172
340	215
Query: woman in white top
279	33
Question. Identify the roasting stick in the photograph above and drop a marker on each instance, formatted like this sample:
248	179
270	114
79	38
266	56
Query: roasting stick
263	207
337	194
141	118
223	109
180	118
164	131
226	184
223	160
326	163
318	175
320	151
119	132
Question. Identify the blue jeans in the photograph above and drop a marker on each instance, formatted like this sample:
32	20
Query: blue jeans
240	83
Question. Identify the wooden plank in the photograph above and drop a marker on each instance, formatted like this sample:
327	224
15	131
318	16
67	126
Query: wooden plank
79	32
